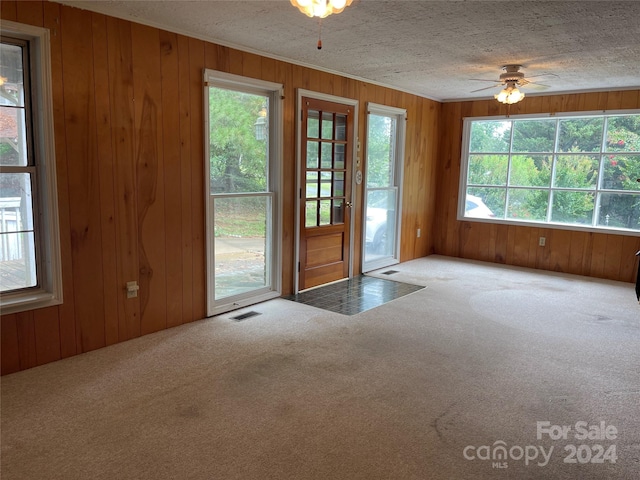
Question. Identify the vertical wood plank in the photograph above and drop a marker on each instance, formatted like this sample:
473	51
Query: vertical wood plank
9	10
122	120
560	251
47	335
106	176
84	187
576	253
613	258
598	255
630	99
172	177
196	58
9	352
149	178
30	13
521	246
66	311
26	340
185	177
628	260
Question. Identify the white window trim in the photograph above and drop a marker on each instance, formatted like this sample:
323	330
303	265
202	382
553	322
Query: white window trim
50	280
276	93
464	165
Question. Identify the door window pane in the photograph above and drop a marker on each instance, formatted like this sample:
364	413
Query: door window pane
312	154
327	158
338	156
325	184
338	184
341	127
327	126
313	124
312	185
325	212
311	214
338	211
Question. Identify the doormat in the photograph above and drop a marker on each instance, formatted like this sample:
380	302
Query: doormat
354	295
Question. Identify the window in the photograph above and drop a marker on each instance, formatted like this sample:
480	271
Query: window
243	127
29	247
579	171
385	158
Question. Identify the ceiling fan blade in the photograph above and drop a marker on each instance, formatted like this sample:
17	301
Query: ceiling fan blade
537	86
543	75
482	80
486	88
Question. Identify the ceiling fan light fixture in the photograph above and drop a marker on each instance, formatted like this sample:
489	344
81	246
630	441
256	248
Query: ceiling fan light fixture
509	95
320	8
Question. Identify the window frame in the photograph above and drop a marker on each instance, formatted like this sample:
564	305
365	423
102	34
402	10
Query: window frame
464	168
48	290
395	184
275	93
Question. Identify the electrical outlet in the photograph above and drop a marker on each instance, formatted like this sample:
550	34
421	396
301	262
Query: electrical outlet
418	233
132	289
542	242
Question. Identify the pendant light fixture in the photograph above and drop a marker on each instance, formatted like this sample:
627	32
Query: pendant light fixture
320	8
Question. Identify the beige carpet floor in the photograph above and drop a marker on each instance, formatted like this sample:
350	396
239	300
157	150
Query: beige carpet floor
424	387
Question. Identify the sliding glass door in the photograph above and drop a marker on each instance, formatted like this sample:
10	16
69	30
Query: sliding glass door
242	206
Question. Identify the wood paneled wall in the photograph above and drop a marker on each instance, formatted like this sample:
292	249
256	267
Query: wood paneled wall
128	113
584	253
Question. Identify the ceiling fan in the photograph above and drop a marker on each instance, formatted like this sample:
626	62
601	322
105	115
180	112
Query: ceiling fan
511	79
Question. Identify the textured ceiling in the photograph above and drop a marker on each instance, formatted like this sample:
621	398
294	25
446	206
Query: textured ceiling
431	48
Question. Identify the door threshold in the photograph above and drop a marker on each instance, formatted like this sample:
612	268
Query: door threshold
324	285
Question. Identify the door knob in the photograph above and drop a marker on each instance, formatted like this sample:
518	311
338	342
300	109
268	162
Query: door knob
348	204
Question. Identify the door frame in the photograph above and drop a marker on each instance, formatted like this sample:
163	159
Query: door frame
276	93
355	165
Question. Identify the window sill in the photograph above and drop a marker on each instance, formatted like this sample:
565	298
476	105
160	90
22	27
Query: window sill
555	226
22	302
